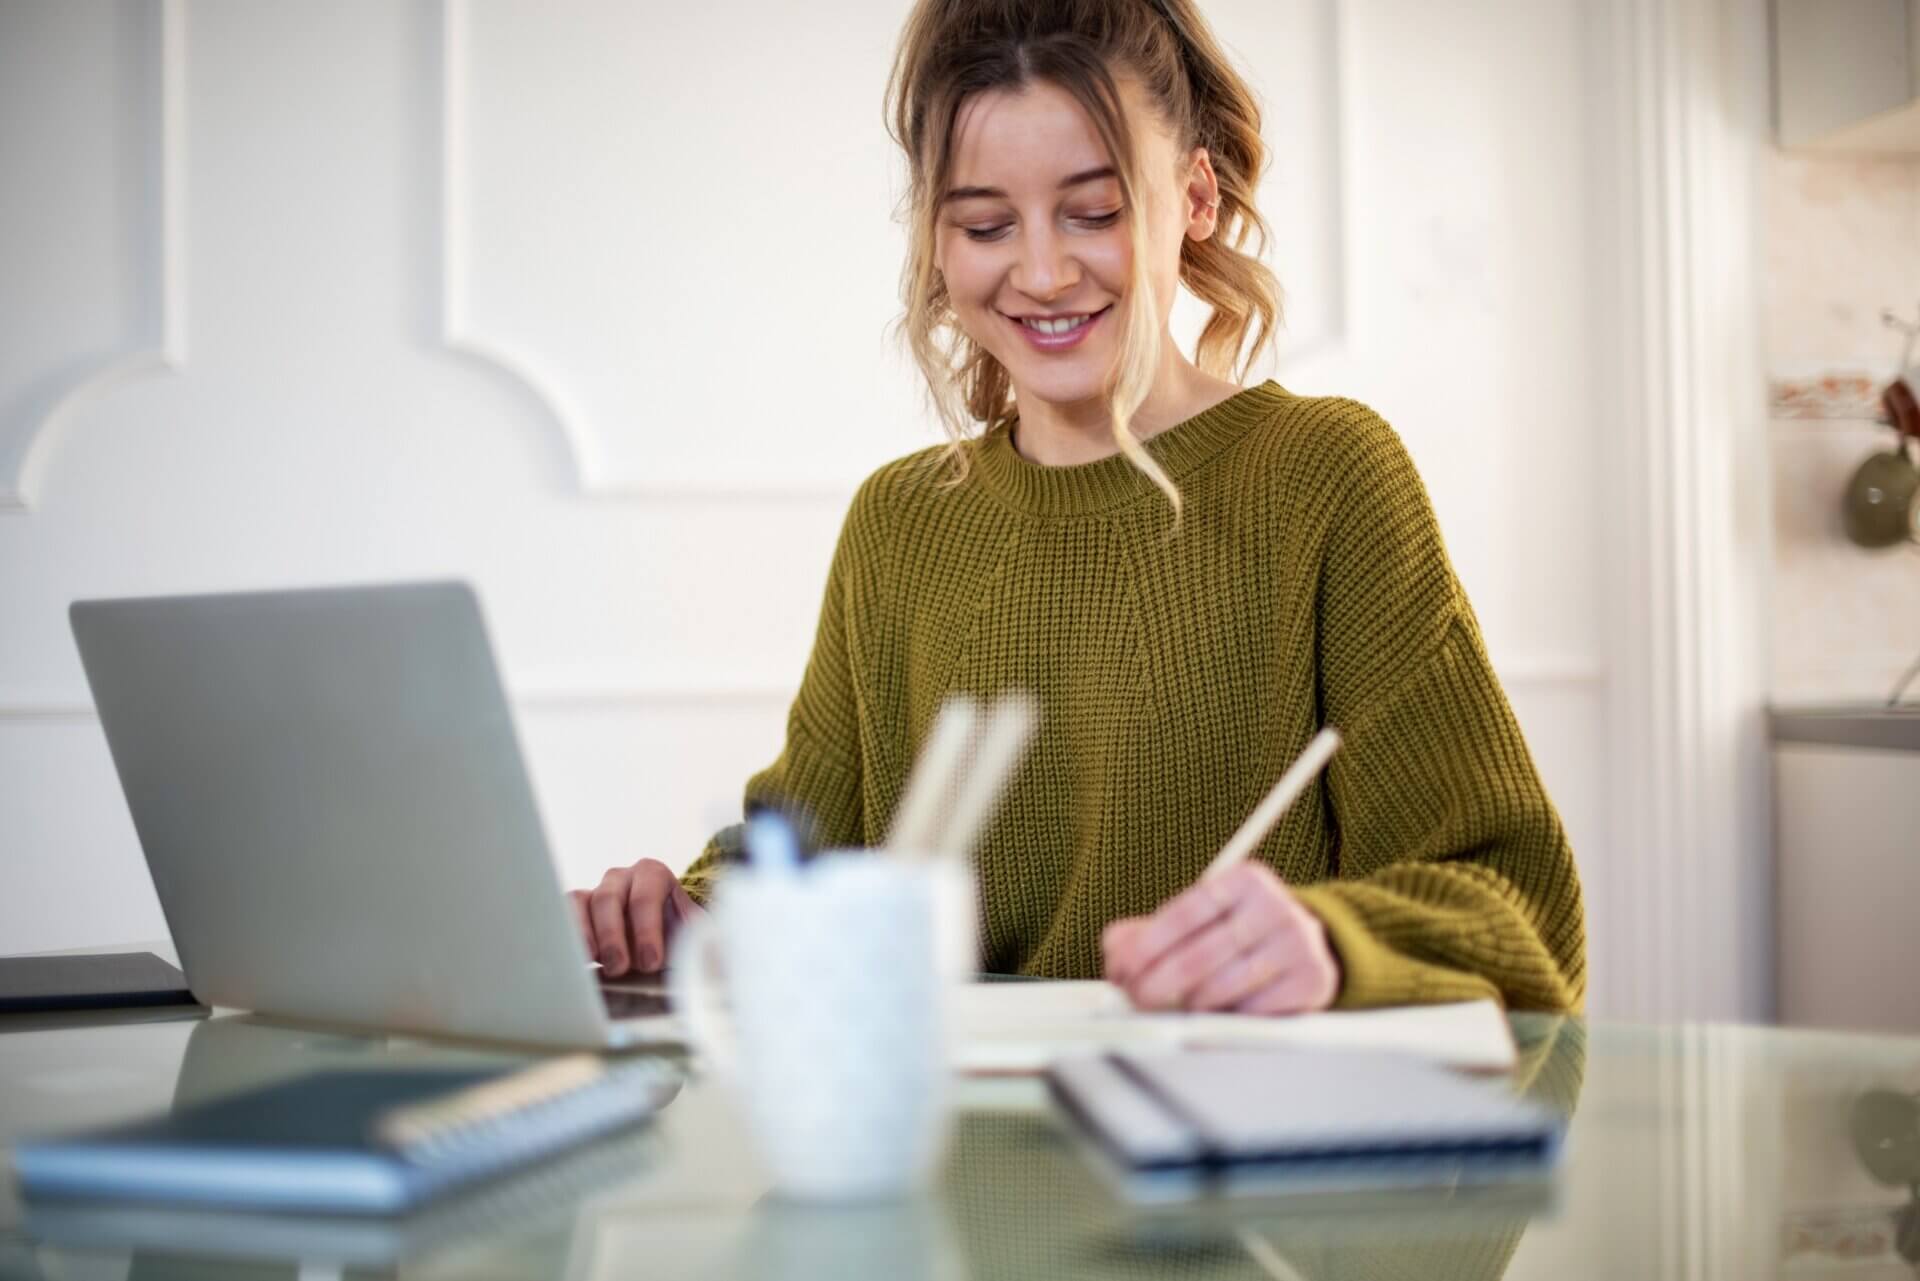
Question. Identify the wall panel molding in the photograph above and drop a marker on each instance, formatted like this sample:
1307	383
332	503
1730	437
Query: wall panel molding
520	369
21	491
1330	344
1551	671
456	331
1679	105
555	693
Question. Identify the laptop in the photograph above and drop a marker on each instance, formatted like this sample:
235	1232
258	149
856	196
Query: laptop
331	798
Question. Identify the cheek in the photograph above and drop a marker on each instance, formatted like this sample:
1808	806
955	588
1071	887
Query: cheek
1109	260
973	281
965	272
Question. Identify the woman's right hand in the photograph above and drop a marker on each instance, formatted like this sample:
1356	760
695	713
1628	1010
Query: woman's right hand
632	915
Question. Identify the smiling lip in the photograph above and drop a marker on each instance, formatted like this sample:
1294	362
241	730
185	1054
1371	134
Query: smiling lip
1060	342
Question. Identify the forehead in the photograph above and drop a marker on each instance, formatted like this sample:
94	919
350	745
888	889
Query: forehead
1027	139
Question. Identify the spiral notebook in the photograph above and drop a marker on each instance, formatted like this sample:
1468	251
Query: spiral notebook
355	1142
1182	1123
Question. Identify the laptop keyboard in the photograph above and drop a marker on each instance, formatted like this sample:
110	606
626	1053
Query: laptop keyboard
635	996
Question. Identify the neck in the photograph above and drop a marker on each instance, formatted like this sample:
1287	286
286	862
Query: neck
1066	433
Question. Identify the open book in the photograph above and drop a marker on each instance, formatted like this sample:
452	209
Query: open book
1021	1028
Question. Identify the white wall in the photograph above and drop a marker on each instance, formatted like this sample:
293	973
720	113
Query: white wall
584	302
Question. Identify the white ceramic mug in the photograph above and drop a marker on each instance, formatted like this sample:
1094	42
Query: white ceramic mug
832	1016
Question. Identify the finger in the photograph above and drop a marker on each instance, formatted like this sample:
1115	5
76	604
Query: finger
1195	908
1116	943
680	908
1191	909
1302	989
607	907
1309	977
1246	975
647	896
577	903
1183	969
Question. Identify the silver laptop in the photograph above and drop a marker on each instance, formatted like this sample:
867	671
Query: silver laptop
330	795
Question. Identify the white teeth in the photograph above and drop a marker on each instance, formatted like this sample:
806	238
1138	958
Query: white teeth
1057	326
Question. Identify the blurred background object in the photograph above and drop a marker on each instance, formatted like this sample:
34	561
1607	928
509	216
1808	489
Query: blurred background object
1848	75
1842	209
1882	502
1847	800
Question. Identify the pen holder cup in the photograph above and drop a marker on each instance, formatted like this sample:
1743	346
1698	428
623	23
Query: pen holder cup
823	996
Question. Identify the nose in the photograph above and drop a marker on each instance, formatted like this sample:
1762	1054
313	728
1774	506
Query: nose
1044	270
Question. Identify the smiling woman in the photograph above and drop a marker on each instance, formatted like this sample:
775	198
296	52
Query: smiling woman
1056	175
1191	577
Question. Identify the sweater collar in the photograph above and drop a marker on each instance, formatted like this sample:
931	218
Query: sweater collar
1083	488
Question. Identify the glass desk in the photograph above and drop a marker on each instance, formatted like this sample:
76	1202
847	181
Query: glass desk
1693	1151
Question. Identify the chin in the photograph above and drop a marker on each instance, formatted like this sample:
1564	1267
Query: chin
1061	386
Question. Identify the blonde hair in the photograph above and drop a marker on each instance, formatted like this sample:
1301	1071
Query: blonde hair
951	50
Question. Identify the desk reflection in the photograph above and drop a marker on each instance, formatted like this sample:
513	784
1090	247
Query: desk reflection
1016	1200
1024	1205
533	1210
683	1199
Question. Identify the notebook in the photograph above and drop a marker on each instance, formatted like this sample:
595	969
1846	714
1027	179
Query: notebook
351	1142
1185	1122
106	980
1021	1028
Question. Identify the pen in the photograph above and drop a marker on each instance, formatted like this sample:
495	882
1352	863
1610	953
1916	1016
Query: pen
1312	759
932	781
1009	726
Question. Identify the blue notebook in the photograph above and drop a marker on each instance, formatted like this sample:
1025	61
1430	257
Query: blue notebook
377	1142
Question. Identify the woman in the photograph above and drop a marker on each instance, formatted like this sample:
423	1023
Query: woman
1189	575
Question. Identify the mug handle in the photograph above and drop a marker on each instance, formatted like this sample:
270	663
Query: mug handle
690	990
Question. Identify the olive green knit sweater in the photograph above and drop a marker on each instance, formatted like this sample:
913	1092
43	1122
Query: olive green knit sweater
1176	677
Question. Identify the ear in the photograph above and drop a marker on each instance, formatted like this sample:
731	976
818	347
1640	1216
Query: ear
1203	195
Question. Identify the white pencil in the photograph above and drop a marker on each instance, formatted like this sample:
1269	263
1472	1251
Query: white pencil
1008	728
931	781
1313	758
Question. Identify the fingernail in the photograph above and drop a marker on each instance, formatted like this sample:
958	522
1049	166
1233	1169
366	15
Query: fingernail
610	961
649	959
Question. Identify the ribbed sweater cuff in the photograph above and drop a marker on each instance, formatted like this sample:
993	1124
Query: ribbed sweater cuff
1371	972
699	884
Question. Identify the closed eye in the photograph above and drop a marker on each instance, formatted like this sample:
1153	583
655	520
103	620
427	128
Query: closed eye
1095	221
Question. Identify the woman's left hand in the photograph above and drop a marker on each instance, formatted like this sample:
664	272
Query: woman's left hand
1236	941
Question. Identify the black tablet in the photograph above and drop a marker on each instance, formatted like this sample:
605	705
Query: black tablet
96	981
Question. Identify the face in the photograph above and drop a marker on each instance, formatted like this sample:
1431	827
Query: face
1033	227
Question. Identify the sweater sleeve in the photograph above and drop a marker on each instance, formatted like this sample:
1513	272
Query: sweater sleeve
817	774
1454	875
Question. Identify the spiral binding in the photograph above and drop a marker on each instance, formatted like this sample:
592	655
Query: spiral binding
526	1114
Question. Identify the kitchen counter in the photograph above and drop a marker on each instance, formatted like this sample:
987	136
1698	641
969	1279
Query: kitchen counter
1895	729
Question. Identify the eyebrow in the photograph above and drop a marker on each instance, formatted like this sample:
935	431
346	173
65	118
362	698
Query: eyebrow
1071	180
